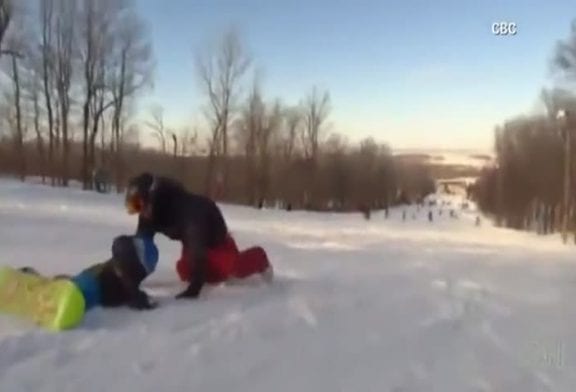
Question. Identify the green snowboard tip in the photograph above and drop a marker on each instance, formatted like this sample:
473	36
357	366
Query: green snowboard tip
71	309
53	304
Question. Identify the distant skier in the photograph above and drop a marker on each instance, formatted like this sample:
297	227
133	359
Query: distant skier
430	216
365	211
116	282
209	253
100	180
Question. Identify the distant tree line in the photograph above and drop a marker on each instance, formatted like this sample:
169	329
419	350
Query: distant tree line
76	68
531	186
73	70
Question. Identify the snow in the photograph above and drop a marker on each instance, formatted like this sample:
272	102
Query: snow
379	305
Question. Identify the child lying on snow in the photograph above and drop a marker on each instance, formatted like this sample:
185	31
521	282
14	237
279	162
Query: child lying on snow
116	282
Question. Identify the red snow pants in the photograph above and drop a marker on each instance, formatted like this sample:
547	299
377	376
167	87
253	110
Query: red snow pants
225	262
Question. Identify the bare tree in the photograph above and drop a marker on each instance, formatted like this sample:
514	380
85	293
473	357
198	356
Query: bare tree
221	71
64	67
48	72
32	87
156	124
316	108
90	29
16	50
101	102
339	171
286	148
19	130
272	123
249	125
188	141
175	144
557	99
6	9
131	70
101	21
367	161
565	64
529	171
96	19
293	123
564	61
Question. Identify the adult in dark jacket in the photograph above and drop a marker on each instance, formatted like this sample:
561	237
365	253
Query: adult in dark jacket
209	253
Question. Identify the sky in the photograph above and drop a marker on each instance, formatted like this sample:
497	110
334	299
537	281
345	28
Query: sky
413	73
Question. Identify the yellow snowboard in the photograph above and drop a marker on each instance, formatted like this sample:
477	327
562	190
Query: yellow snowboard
52	304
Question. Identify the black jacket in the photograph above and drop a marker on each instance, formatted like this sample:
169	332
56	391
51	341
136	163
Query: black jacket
193	219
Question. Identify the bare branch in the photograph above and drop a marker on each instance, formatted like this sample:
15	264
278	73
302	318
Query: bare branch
157	126
6	11
220	71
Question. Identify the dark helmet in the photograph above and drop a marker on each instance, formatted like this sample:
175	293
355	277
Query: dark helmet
138	193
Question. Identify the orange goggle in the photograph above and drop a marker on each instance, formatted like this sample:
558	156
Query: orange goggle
134	203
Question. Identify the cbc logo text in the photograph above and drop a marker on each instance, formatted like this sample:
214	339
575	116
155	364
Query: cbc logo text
504	28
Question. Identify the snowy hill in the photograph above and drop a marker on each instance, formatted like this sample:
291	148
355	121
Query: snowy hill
380	305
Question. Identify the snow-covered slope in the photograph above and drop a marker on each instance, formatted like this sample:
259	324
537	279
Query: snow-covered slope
380	305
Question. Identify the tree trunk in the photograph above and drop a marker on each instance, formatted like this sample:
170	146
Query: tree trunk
224	160
58	147
567	184
19	130
86	183
212	162
65	142
96	121
39	138
118	170
46	43
50	115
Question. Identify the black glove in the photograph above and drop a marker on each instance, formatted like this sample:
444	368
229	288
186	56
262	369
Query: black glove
142	302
